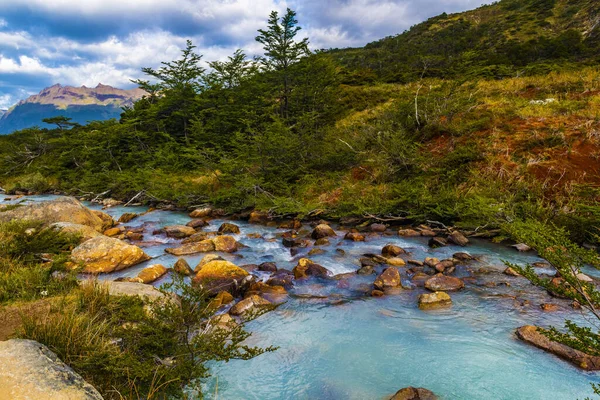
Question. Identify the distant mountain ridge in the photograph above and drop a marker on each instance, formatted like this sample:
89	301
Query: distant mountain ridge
82	104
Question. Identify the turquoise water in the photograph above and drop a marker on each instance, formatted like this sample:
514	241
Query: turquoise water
341	344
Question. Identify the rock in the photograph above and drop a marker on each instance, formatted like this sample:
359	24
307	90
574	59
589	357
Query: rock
396	262
463	256
377	293
84	231
435	242
197	223
444	283
411	393
221	299
103	254
427	233
192	248
584	278
226	244
420	278
521	247
108	221
152	273
198	237
228	228
434	300
114	231
548	307
306	268
322	242
248	304
511	272
29	370
201	212
254	236
182	267
126	217
294	224
206	259
263	288
108	203
65	209
322	231
532	335
443	265
431	261
408	233
259	217
145	292
458	239
281	278
366	270
389	278
390	250
416	262
218	275
355	237
367	262
379	228
268	267
179	231
316	252
134	236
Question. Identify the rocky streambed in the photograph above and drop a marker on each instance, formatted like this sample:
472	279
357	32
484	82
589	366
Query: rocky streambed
364	313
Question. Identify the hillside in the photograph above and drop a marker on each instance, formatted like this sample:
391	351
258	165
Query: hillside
81	104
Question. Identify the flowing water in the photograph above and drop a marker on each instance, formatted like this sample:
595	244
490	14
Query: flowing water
336	343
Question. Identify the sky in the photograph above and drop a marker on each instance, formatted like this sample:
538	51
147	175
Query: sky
86	42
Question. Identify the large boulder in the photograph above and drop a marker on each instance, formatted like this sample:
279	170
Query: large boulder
389	278
444	283
219	275
322	231
179	231
65	209
141	290
84	231
29	370
226	244
203	246
103	255
306	268
412	393
206	259
532	335
458	238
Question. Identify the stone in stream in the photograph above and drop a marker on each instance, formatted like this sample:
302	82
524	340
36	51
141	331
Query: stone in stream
322	242
521	247
443	265
548	307
206	259
316	252
532	335
355	237
322	231
116	231
103	255
294	224
229	228
221	299
127	217
198	237
434	300
259	217
461	256
458	238
389	278
197	223
379	228
427	232
366	270
248	304
395	262
408	233
29	370
306	268
226	244
218	275
416	262
412	393
107	220
444	283
436	242
179	231
182	267
203	246
431	261
511	272
152	273
267	267
282	277
201	212
390	250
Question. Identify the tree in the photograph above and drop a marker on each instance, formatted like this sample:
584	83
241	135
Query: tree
281	49
61	122
230	73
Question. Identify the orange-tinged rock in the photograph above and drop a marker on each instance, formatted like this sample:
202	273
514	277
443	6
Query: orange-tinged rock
103	254
226	244
203	246
152	273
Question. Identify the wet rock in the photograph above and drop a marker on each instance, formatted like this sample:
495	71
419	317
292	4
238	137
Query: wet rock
281	278
152	273
458	239
248	304
259	217
261	288
254	236
444	265
134	236
107	221
377	293
416	262
366	270
389	278
322	231
83	231
532	335
511	272
409	233
548	307
197	223
316	252
427	232
294	224
307	268
182	267
29	370
395	262
198	237
444	283
206	259
355	237
179	231
341	252
127	217
109	203
228	228
268	267
201	212
390	250
412	393
434	300
379	228
463	256
436	242
521	247
322	242
221	299
192	248
226	244
431	261
103	255
218	275
114	231
367	262
419	279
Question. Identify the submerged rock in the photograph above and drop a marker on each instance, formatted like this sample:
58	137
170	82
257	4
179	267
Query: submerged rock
197	223
281	278
307	268
267	267
103	255
434	300
127	217
322	231
389	278
248	304
366	270
444	283
412	393
532	335
29	370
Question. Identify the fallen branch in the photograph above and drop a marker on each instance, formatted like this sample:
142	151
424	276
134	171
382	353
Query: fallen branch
437	223
134	197
95	199
387	219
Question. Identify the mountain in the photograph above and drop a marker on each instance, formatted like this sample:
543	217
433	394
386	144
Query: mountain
2	112
82	104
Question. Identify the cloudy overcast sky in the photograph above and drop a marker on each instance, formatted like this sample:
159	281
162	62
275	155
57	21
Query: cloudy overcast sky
85	42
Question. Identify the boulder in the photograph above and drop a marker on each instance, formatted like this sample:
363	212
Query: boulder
436	242
322	231
355	237
182	267
532	335
259	217
206	259
84	231
390	250
198	237
65	209
248	304
267	267
434	300
108	221
221	299
444	283
306	268
281	278
179	231
412	393
103	255
152	273
322	242
111	232
379	228
389	278
228	228
458	239
127	217
219	275
203	246
201	212
395	262
197	223
408	233
226	244
366	270
443	265
461	256
29	370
